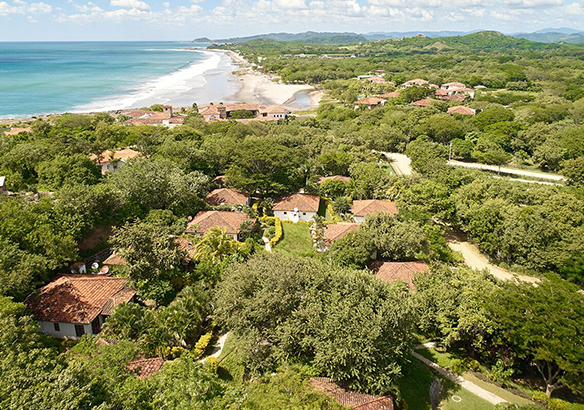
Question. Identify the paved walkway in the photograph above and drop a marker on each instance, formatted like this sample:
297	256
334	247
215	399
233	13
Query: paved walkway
461	381
218	348
476	260
400	163
507	170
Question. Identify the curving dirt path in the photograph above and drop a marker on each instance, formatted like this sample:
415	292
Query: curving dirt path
507	170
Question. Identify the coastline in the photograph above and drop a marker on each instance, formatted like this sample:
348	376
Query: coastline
262	88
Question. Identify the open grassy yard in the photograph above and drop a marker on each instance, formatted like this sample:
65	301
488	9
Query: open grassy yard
415	388
295	240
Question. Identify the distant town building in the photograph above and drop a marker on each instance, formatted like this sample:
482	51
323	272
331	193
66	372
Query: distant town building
415	82
424	103
111	161
296	207
73	305
462	110
255	111
361	209
166	118
369	102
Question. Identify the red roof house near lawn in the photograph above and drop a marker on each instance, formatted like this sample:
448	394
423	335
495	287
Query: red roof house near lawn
351	399
296	207
363	208
337	231
73	305
227	196
205	220
403	271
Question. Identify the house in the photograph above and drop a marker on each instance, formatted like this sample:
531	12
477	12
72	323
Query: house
3	188
144	368
73	305
361	209
275	111
212	112
337	231
391	272
255	111
229	221
393	94
296	207
351	399
424	103
146	117
111	161
334	178
17	130
453	86
369	102
115	259
462	110
378	80
227	196
418	81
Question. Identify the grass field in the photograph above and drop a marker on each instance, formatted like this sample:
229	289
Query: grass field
295	240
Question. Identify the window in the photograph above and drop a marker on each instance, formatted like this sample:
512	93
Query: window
303	213
57	327
79	330
285	213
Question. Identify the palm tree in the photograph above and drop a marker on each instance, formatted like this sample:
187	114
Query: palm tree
215	245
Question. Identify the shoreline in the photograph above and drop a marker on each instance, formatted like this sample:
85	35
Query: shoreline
261	88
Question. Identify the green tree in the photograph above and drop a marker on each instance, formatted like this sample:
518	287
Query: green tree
573	169
215	245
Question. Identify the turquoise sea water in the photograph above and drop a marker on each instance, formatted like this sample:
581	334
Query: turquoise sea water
50	77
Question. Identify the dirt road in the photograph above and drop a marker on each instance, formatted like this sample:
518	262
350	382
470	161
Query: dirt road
507	170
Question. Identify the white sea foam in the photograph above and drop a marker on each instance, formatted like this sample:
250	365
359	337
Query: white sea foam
161	90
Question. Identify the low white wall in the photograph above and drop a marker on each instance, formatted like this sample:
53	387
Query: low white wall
359	219
294	216
66	330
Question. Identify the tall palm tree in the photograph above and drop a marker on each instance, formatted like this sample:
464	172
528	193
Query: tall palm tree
215	245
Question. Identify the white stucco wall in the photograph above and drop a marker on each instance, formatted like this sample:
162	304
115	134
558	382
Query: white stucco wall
290	216
67	330
359	219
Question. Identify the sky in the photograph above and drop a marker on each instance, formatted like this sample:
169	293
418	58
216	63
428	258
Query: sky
101	20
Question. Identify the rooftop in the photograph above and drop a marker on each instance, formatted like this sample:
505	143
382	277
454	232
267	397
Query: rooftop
121	155
79	298
368	207
334	178
205	220
145	368
351	399
370	101
302	202
337	231
403	271
462	110
424	103
226	196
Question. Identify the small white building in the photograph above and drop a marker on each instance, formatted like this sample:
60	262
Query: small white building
296	207
73	305
111	161
361	209
3	188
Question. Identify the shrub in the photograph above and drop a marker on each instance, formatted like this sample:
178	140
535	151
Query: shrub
202	344
212	363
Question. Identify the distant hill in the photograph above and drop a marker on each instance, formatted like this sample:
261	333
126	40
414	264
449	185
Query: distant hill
550	35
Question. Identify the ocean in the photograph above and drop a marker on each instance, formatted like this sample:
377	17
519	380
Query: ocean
53	77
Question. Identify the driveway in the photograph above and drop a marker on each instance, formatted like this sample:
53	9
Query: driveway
400	163
507	170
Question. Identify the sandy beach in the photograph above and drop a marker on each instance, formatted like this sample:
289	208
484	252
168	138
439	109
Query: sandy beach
264	89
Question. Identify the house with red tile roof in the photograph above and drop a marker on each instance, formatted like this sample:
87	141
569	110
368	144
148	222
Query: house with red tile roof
349	398
144	368
229	221
111	161
391	272
462	110
296	207
227	196
417	81
334	178
73	305
361	209
453	86
369	102
146	117
337	231
424	103
393	94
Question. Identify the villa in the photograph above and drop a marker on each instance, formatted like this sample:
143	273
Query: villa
73	305
426	102
111	161
462	110
369	102
391	272
296	207
227	196
393	94
361	209
144	117
416	82
228	221
337	231
254	111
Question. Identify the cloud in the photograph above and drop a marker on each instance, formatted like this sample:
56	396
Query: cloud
22	7
528	4
130	4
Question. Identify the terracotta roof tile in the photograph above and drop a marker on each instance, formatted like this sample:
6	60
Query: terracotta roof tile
371	101
115	259
460	109
145	368
394	94
368	207
334	178
351	399
78	298
226	196
393	271
424	103
337	231
302	202
122	155
205	220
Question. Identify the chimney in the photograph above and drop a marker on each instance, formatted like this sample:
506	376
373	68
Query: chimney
222	111
167	110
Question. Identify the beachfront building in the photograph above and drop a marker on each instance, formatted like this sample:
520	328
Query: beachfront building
244	112
228	221
111	161
361	209
454	89
166	118
73	305
296	207
275	111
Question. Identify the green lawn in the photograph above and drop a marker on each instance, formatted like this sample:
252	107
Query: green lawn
295	240
415	390
444	359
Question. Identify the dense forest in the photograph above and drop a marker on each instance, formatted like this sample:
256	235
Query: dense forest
292	316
